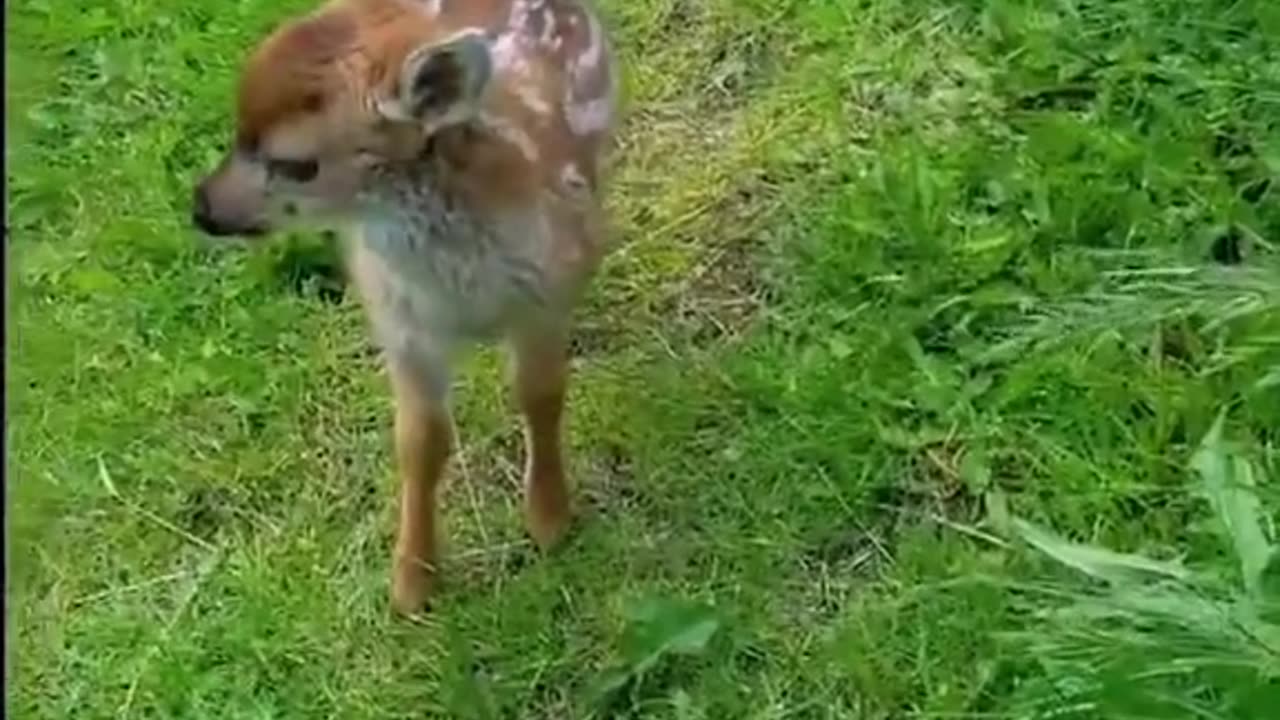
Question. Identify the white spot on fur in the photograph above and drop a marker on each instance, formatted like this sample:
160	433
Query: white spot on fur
513	134
509	55
573	179
512	56
593	54
548	28
528	95
589	116
519	15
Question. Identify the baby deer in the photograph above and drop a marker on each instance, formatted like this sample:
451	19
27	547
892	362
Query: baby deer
458	145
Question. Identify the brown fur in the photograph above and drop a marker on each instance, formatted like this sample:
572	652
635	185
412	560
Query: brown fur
295	72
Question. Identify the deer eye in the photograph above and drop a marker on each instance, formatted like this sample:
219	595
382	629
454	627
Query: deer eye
295	170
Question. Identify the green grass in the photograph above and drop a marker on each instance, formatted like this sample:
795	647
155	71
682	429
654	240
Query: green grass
882	264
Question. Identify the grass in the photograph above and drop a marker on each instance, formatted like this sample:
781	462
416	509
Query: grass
883	266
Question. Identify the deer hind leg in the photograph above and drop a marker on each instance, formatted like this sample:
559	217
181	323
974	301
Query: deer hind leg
541	370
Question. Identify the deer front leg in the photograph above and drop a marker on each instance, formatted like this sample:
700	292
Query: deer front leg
424	441
541	375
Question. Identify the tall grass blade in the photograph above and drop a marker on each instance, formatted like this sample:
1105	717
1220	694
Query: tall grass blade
1101	563
1228	479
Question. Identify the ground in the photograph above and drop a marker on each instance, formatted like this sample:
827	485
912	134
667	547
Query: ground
883	267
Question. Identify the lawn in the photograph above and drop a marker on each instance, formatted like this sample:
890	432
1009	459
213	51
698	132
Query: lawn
900	287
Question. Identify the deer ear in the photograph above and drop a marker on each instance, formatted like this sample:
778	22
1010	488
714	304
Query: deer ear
442	82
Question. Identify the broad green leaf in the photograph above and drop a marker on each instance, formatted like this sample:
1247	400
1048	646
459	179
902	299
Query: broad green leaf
1270	380
975	471
998	511
656	628
1227	479
661	626
1098	562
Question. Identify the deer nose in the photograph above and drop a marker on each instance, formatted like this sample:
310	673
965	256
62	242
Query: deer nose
202	216
200	209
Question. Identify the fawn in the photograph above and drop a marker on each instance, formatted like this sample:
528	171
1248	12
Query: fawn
457	145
